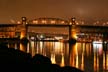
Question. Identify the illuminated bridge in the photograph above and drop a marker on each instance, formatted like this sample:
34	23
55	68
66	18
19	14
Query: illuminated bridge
54	28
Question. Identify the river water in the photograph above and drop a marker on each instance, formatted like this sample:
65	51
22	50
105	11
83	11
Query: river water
89	57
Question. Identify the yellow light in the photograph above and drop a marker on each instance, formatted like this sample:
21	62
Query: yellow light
35	21
70	23
53	22
53	58
23	34
44	21
62	61
22	47
18	22
62	22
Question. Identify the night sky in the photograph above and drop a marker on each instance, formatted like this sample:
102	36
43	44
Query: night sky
88	10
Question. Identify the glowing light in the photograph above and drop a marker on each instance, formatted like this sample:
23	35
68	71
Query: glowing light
22	47
58	38
44	21
97	42
18	22
82	62
58	47
22	34
96	62
62	22
77	23
53	22
35	21
33	50
53	58
62	61
70	23
104	62
74	35
107	62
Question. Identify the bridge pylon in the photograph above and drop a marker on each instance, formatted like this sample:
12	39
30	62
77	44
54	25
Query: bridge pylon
72	31
23	29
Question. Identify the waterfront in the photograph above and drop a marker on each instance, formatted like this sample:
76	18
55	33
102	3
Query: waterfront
89	57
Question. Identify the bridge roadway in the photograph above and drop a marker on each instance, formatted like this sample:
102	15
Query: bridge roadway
60	29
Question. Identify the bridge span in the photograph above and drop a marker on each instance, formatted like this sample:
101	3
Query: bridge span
53	28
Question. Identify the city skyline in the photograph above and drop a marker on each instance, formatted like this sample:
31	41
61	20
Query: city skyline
88	10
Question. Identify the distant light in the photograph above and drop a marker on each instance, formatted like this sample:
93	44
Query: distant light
58	38
106	22
82	22
53	22
44	21
35	21
97	42
41	36
77	23
62	22
18	22
70	23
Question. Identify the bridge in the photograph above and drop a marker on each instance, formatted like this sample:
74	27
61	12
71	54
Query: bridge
53	28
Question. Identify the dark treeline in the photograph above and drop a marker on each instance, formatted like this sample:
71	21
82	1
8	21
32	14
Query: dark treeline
14	60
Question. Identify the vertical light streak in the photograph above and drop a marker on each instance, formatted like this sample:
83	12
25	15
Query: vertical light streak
62	61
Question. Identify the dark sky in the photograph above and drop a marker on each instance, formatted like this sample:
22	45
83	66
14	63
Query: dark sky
88	10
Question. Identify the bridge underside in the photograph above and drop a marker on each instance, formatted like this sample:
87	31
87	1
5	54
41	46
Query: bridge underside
48	32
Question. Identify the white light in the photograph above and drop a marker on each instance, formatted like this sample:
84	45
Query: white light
58	38
97	42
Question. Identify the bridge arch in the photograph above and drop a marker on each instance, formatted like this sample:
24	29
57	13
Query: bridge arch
48	21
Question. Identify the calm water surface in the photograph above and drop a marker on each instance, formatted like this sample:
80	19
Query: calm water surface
88	57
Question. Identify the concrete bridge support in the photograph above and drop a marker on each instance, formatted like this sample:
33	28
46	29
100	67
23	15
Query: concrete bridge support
24	29
72	31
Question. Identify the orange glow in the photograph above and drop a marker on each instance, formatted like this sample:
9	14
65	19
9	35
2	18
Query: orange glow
62	22
53	22
12	34
53	58
62	61
96	62
23	33
73	34
82	62
107	62
74	56
77	64
22	47
44	21
35	21
103	60
33	48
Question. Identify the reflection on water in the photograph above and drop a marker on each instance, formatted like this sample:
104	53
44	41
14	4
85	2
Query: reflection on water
89	57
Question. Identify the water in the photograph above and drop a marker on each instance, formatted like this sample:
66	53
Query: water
89	57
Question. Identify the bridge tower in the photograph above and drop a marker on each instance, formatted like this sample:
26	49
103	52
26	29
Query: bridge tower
23	28
72	31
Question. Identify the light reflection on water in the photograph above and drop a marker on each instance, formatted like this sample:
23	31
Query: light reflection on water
88	57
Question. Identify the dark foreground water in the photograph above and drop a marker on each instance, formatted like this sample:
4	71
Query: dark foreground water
89	57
